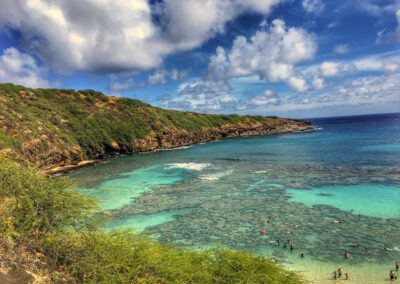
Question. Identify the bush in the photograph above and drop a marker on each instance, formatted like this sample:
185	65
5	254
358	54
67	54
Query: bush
46	214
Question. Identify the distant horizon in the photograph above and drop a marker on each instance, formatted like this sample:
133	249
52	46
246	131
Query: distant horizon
315	58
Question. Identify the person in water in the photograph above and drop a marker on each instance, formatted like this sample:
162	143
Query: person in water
278	242
347	276
302	255
291	247
284	245
346	255
397	266
340	272
334	275
392	275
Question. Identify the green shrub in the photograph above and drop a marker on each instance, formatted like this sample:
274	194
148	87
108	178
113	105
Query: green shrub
47	215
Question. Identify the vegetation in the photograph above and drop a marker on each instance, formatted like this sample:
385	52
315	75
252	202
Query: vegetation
54	222
35	122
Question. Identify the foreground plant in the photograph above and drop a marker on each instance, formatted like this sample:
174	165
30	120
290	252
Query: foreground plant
50	219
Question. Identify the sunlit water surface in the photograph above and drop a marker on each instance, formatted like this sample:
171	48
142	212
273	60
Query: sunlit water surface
330	188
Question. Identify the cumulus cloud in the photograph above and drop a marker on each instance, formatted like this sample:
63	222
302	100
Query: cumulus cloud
271	54
333	69
318	83
161	76
116	87
118	36
208	96
20	68
266	98
313	6
342	48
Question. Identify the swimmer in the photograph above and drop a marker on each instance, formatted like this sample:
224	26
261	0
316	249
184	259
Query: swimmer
397	266
284	245
302	255
263	231
347	276
340	272
346	255
291	247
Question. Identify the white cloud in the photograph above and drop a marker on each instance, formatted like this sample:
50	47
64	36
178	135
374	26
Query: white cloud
333	69
313	6
329	69
342	48
116	87
332	25
158	78
20	68
266	98
118	36
271	54
208	96
318	83
383	36
161	76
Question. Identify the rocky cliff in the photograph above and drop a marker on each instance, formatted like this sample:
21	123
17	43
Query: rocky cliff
61	129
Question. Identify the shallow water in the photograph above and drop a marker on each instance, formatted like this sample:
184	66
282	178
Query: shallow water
329	188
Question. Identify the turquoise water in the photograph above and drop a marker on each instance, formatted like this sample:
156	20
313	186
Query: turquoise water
367	199
329	188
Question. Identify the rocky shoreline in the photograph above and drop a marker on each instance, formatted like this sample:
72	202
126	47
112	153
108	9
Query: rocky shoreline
176	138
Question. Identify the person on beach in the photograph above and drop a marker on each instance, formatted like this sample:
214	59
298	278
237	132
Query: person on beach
347	276
397	266
392	275
346	255
340	272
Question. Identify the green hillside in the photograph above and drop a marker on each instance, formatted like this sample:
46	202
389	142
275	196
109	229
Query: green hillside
53	127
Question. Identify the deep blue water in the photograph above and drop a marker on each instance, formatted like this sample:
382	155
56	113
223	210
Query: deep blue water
223	192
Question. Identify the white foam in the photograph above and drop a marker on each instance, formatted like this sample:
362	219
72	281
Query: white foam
215	176
259	172
177	148
189	166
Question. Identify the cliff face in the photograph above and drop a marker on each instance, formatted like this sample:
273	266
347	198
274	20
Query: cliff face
60	129
179	138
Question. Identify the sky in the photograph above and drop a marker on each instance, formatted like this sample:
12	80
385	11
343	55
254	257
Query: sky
292	58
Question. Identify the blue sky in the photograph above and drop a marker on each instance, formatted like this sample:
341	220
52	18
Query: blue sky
293	58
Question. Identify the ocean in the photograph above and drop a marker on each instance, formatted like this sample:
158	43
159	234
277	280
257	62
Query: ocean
328	191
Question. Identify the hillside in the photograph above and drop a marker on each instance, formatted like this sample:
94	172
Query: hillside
56	128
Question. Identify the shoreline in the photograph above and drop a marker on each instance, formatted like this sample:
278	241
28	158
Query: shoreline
59	170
